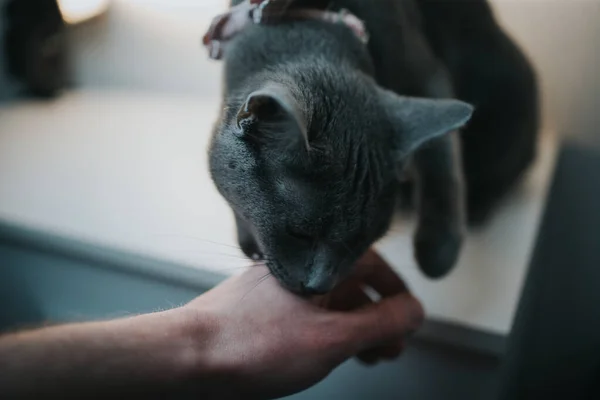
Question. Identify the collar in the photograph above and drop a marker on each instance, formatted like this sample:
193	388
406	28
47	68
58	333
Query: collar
264	12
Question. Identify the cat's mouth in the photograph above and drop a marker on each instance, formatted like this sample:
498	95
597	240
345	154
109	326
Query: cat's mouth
287	283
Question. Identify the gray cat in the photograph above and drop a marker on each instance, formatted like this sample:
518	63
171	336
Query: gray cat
316	132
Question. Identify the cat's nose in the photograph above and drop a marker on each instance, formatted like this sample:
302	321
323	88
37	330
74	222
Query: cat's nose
318	284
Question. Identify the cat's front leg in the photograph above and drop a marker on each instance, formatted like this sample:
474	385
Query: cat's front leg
246	240
441	223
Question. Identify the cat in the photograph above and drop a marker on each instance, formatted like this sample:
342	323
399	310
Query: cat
489	71
316	131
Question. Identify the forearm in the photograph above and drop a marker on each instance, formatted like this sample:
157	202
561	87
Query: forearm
143	355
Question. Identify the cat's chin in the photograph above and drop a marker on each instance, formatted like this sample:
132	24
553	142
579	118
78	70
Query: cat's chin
304	291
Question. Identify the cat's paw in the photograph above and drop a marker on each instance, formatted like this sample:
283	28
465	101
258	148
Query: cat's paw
437	250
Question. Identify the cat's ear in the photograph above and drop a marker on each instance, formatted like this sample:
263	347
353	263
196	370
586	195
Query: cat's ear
273	113
419	120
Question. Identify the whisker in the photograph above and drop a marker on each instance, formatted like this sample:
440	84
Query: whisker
199	252
258	283
240	268
232	271
222	259
196	239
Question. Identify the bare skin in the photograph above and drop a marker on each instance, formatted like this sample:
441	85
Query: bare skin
232	342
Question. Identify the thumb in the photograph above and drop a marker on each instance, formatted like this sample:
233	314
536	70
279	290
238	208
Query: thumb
388	321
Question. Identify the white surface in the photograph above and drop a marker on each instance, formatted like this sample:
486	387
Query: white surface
130	171
484	290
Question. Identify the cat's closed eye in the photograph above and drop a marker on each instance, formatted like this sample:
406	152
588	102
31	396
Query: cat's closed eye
300	235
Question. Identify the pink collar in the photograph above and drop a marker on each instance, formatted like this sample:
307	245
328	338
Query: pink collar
226	26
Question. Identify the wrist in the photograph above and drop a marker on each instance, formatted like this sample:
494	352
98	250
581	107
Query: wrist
193	332
202	363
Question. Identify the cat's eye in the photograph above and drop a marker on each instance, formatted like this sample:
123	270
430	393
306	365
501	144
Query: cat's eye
299	235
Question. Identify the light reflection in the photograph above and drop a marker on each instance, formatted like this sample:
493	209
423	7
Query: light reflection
76	11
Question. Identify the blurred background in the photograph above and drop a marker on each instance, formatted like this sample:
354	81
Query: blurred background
106	206
154	45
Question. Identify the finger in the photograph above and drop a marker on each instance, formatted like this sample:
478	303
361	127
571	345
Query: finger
385	353
348	296
392	352
388	321
368	358
373	270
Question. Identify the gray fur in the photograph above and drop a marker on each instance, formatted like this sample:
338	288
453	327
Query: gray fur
312	210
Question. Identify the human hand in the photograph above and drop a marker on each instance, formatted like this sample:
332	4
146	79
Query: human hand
269	343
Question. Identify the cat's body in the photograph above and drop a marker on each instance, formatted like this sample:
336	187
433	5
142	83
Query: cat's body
310	145
490	72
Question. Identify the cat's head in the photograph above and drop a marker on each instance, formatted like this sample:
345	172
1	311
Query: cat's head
310	160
